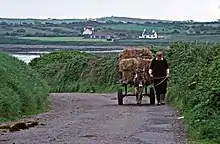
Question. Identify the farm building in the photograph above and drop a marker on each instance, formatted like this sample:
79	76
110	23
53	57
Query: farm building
88	30
101	35
90	33
149	35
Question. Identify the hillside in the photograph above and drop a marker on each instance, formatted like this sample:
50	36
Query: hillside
102	19
31	20
126	31
129	19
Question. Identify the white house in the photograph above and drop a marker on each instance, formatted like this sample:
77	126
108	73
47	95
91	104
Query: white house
88	30
149	35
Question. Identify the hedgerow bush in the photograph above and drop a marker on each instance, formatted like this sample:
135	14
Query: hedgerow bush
74	71
22	91
194	87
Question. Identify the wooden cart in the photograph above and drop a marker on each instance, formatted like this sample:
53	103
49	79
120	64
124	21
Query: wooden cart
124	92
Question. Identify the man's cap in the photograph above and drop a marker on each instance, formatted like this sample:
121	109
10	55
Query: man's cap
159	53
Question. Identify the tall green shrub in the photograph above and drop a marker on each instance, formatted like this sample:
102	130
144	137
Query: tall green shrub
195	87
75	71
22	91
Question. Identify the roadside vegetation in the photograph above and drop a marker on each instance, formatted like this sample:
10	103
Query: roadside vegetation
194	86
77	71
195	89
22	91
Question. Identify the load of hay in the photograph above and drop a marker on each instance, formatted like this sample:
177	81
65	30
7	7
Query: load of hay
144	53
133	59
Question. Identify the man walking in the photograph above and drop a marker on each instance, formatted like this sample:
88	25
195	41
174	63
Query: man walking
159	70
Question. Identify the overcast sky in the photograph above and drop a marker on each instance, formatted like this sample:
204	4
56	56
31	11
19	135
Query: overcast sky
199	10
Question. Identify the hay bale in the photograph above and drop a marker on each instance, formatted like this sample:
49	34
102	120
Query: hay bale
145	64
134	59
146	53
127	68
136	52
128	64
128	76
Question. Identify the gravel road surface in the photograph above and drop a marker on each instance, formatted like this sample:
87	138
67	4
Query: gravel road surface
83	118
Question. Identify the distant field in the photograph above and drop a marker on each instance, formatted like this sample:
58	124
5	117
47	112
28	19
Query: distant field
63	28
56	21
30	30
205	38
63	39
133	27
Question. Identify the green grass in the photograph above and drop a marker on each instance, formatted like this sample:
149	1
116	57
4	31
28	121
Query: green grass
204	38
3	31
132	27
63	28
56	21
77	72
22	91
78	39
201	142
30	30
195	88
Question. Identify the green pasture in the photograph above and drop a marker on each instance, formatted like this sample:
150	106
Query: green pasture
80	39
132	27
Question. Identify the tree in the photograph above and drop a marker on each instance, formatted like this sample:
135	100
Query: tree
4	23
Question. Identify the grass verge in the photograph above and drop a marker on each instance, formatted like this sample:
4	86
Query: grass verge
22	91
195	89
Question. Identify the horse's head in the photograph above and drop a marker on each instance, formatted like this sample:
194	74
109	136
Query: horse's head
139	77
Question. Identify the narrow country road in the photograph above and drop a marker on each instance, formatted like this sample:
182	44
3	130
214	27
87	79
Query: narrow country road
83	118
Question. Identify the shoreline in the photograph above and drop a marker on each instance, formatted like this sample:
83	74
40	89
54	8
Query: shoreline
37	49
28	52
50	48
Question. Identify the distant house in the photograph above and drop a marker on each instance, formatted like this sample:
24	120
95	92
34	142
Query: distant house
190	31
88	30
149	35
101	35
90	33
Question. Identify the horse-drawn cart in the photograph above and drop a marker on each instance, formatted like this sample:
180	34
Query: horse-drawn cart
123	93
133	70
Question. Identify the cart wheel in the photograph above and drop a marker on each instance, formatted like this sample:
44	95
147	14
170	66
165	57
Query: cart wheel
152	96
120	97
